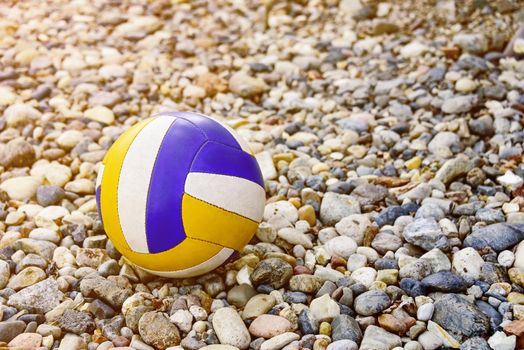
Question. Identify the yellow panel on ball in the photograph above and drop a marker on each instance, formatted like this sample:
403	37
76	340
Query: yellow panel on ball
213	224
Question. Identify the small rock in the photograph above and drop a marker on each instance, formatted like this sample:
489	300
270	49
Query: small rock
459	317
413	49
468	263
258	305
156	330
49	195
343	344
336	206
20	188
342	246
17	153
21	114
344	327
273	272
425	233
27	277
444	281
230	328
183	319
304	283
246	86
108	291
371	302
72	342
475	43
27	341
279	341
76	322
444	336
10	329
375	338
501	341
459	104
100	114
475	343
510	180
430	341
425	312
453	169
324	308
496	236
269	326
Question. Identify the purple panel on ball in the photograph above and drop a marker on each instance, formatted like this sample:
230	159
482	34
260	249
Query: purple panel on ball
99	203
216	158
164	227
213	130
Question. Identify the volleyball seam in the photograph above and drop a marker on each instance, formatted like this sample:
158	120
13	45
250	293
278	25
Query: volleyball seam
216	206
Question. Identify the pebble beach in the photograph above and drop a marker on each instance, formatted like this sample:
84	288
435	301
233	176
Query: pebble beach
389	134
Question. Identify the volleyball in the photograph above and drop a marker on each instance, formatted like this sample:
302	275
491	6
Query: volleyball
179	193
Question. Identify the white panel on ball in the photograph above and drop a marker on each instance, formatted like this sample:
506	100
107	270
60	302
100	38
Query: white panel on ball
133	184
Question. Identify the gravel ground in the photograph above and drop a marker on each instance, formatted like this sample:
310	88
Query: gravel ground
390	135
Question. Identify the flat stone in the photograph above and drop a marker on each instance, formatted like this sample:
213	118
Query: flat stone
20	114
437	260
240	295
496	236
444	281
5	273
265	161
307	323
38	298
99	287
453	169
429	341
278	342
27	277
